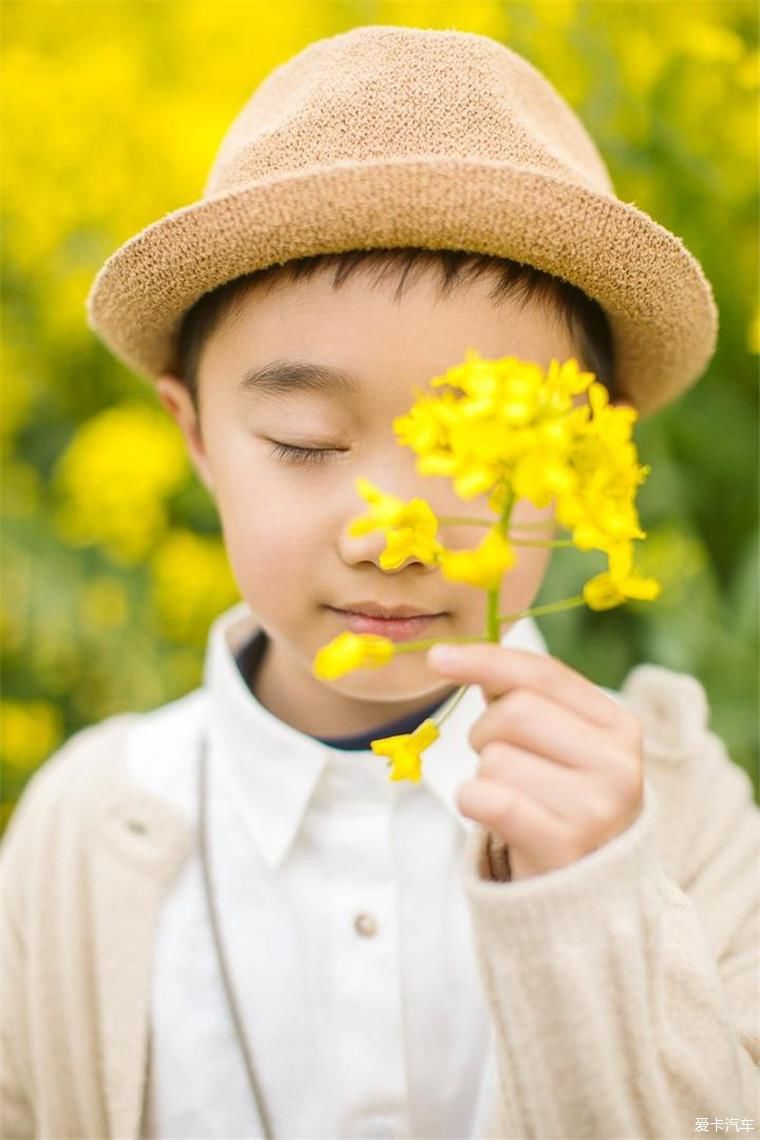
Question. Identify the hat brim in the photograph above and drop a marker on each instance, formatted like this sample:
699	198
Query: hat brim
659	303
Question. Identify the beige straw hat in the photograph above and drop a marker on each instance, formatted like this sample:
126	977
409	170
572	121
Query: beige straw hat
388	136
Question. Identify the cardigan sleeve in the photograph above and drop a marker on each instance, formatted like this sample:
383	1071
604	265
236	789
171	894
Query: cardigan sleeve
623	988
37	1097
17	1117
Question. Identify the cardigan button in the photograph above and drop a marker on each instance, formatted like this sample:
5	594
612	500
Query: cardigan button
365	925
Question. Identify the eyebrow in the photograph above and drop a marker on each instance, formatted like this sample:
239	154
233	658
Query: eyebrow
289	377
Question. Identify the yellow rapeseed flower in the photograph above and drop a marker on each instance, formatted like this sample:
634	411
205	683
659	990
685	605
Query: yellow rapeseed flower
545	470
506	411
619	582
114	478
564	379
598	506
190	583
425	427
482	566
29	731
349	651
410	527
404	751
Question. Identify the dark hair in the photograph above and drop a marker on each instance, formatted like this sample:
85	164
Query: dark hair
584	318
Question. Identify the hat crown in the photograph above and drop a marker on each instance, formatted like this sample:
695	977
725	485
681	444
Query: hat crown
385	137
381	91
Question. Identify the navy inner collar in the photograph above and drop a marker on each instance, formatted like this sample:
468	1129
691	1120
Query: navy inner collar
248	659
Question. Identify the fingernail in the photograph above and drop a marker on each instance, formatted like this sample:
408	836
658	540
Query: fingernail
444	656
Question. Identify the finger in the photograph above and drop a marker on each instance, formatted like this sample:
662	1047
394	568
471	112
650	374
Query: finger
558	790
498	669
591	807
539	835
532	721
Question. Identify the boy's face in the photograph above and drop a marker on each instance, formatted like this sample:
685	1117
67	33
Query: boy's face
285	522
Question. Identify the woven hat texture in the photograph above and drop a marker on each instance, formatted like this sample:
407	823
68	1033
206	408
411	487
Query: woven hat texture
384	137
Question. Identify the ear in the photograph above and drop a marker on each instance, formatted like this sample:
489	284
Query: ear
175	397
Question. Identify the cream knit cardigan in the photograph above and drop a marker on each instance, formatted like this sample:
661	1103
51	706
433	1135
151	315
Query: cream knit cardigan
623	988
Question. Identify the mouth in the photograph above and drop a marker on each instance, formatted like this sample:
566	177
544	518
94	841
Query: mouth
399	623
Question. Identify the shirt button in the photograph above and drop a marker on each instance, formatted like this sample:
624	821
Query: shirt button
365	925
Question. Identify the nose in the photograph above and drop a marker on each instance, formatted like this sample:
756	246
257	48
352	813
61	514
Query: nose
392	474
356	549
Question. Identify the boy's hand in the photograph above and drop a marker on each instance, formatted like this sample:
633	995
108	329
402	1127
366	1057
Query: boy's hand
561	768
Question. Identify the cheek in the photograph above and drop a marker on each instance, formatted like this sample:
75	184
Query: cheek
268	538
271	537
523	582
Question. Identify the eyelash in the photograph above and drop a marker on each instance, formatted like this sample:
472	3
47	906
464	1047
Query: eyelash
302	455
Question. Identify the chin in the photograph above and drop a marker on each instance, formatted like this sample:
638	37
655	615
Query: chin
389	684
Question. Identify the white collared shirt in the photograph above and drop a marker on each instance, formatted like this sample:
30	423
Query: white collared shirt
343	917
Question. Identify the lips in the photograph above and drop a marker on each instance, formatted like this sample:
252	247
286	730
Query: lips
399	623
373	609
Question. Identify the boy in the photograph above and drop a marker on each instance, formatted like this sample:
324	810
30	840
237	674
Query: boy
220	917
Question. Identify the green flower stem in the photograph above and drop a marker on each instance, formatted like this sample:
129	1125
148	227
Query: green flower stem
534	611
492	615
552	542
549	608
427	642
509	502
492	612
448	709
453	520
457	520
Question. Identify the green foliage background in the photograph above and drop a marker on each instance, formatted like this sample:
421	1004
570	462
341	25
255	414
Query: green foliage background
112	564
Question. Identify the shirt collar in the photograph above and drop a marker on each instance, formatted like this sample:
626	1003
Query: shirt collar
273	769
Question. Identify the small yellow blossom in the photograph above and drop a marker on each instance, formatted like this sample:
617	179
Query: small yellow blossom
546	470
619	582
482	566
191	581
563	381
114	479
29	731
598	504
349	651
410	527
404	751
425	427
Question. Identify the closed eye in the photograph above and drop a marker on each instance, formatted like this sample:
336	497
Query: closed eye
292	454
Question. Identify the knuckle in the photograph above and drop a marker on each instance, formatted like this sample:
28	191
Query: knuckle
632	728
627	780
507	812
491	755
481	731
576	846
469	797
632	784
519	707
462	796
545	671
595	813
